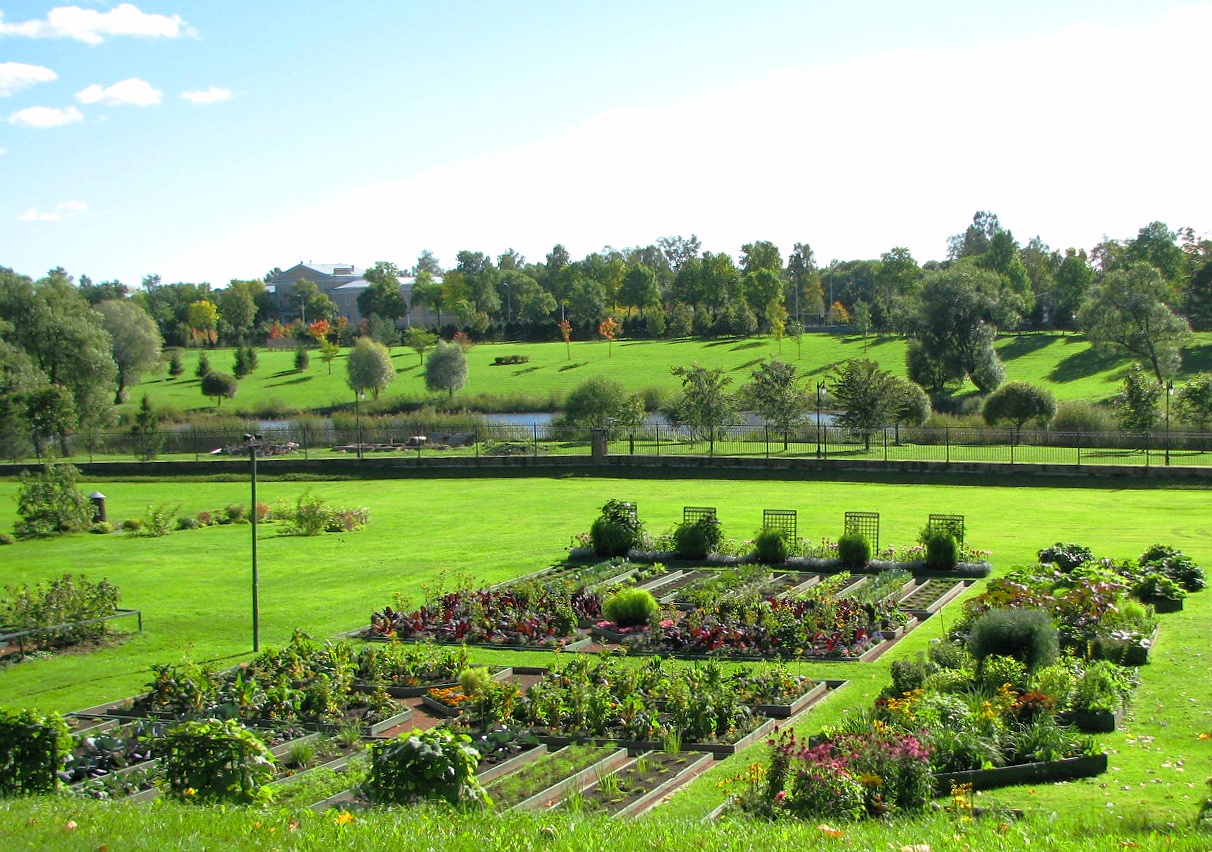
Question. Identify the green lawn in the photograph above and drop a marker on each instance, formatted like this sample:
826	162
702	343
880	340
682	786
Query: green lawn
194	590
1064	364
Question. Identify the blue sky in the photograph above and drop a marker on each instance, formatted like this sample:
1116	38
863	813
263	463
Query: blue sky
205	141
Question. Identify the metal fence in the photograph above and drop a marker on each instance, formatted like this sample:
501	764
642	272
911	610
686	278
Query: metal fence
808	441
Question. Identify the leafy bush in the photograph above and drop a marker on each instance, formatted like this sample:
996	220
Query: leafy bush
854	550
5	538
630	607
133	525
158	521
433	764
233	513
695	539
997	670
771	547
942	551
506	360
62	601
1065	557
1027	635
312	515
1174	565
32	748
217	761
49	502
1103	687
616	530
1158	585
101	528
187	523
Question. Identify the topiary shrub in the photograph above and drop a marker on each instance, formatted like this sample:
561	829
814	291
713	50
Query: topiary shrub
854	550
1027	635
771	547
942	551
211	761
616	530
630	607
433	764
694	540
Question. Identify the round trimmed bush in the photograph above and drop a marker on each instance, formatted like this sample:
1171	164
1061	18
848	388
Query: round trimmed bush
616	530
630	607
1027	635
854	550
942	551
696	539
771	547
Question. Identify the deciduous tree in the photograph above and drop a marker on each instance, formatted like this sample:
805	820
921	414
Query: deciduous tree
704	405
447	368
1136	404
1194	402
1017	403
774	392
369	367
419	340
219	386
867	397
134	341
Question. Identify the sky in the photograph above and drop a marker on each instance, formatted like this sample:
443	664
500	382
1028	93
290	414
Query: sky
216	140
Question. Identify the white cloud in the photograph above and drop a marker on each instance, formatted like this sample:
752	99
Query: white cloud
208	96
43	117
64	210
15	76
93	27
894	149
132	92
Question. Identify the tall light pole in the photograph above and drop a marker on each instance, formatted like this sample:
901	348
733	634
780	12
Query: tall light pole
254	443
1169	393
358	419
820	393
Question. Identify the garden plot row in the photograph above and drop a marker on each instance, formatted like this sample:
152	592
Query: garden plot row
742	612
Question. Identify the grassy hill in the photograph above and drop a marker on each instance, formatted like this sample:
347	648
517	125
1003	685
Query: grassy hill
1064	364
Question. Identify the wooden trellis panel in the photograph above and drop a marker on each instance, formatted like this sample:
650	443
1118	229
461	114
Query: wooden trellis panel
783	520
953	524
867	523
690	514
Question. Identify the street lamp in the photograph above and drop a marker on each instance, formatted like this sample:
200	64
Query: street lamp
254	443
1169	393
358	419
820	394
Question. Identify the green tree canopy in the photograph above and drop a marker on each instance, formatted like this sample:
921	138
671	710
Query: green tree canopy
1127	312
1136	404
1194	402
1017	403
774	392
601	403
382	297
867	397
219	386
369	367
704	405
419	340
135	341
447	368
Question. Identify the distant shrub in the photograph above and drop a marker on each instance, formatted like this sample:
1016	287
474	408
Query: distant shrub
1027	635
1079	415
942	550
630	607
50	502
63	601
506	360
1175	565
1065	557
616	530
854	550
159	521
5	538
311	515
771	547
233	513
187	523
695	539
133	525
101	528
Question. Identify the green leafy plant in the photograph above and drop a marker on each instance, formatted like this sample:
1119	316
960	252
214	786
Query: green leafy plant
1064	556
433	764
1027	635
50	502
771	547
695	539
854	550
616	530
942	550
630	607
209	761
1158	585
33	747
67	600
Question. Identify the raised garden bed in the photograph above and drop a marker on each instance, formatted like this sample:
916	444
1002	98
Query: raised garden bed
641	784
554	777
1065	769
930	595
1092	721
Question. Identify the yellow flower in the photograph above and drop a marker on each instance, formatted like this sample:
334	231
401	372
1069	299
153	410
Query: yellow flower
343	818
190	792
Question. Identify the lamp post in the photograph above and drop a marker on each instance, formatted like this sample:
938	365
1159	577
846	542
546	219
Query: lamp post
1169	393
358	419
820	393
254	443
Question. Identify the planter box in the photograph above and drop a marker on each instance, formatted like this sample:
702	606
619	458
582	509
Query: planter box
1092	721
718	750
342	798
786	711
439	708
559	791
654	796
492	773
499	673
1164	605
1026	773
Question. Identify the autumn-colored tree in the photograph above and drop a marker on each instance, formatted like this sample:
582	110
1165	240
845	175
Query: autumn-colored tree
608	328
566	332
321	328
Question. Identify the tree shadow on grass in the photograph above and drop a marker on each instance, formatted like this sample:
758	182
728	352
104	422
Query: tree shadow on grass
1024	344
1082	365
1197	359
298	381
573	366
526	370
747	365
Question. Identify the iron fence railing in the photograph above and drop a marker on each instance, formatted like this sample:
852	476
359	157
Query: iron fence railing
806	441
